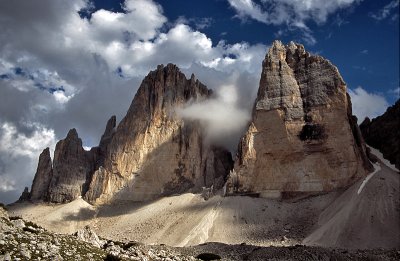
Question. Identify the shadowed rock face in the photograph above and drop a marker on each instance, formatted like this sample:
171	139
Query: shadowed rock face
44	173
382	133
151	153
71	168
302	137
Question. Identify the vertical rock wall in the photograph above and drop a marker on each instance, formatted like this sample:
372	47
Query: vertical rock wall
300	138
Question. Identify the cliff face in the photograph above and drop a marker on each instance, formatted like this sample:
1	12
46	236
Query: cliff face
382	133
151	153
44	173
72	166
302	137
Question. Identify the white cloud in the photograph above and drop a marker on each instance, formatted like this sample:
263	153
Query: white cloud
291	13
7	184
386	11
19	156
247	8
222	118
61	97
141	21
18	144
367	104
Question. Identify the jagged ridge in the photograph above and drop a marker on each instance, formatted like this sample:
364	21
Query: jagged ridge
151	153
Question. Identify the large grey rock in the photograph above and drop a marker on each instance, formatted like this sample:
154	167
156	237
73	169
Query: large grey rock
86	234
302	137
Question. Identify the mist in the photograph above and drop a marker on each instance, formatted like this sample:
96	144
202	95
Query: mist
222	118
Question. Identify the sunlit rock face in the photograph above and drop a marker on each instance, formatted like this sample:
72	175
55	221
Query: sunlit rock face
302	137
153	152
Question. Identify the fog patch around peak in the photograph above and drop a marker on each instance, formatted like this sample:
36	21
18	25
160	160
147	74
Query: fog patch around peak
224	121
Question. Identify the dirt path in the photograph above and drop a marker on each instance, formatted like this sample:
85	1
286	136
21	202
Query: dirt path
367	215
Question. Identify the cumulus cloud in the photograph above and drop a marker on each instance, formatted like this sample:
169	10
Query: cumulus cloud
18	156
367	104
221	117
141	20
294	14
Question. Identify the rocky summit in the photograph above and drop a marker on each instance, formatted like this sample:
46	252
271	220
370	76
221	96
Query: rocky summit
151	153
302	137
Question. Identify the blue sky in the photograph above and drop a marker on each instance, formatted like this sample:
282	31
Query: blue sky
73	64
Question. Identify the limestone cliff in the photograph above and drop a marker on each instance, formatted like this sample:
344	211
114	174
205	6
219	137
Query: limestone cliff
72	166
383	134
44	173
153	152
302	137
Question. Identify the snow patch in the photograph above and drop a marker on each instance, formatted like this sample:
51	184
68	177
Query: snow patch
381	158
377	168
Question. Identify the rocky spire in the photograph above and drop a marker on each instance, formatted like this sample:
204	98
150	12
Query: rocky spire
71	168
43	177
301	137
24	196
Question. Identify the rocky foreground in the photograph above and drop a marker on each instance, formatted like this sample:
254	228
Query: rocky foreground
22	240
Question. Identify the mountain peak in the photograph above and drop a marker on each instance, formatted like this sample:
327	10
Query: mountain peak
301	101
72	134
